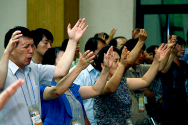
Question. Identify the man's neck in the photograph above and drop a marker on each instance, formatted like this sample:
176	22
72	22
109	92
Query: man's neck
20	66
37	58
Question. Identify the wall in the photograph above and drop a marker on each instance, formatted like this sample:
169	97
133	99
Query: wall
12	13
101	16
104	15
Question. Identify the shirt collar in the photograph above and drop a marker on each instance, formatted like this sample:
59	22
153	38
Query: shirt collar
14	68
91	68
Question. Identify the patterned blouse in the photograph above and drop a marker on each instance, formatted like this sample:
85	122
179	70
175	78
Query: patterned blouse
114	108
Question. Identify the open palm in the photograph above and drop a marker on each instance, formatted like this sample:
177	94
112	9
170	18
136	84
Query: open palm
77	31
161	52
109	58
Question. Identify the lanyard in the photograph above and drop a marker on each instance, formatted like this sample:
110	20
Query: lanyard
124	100
28	90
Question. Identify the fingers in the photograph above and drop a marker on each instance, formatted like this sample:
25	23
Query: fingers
16	35
110	51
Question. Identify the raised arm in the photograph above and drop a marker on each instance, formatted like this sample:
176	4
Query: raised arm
139	83
92	91
112	33
8	92
75	34
171	43
54	92
127	60
4	60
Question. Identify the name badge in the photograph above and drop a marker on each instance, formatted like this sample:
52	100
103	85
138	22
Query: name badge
35	116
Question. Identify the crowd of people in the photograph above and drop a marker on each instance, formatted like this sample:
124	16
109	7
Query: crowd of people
116	81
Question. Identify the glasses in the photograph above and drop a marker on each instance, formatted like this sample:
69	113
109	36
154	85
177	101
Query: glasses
182	46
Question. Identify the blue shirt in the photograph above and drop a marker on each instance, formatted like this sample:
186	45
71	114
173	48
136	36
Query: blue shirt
15	112
58	111
88	77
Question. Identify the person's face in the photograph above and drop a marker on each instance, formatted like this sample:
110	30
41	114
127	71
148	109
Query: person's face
43	45
120	42
139	60
99	47
59	55
148	57
115	63
181	51
22	54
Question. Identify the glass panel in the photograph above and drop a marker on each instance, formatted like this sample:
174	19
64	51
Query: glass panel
158	2
156	26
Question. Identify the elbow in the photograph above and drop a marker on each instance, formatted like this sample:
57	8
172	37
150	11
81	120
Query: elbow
111	90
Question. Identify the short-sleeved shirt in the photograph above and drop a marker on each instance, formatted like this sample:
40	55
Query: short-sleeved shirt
15	112
88	77
58	111
137	117
115	108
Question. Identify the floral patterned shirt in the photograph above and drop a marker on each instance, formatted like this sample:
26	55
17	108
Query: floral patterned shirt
114	108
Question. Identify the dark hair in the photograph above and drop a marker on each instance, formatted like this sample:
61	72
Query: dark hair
106	35
39	33
113	42
26	33
100	56
64	44
50	56
92	43
180	41
131	43
151	49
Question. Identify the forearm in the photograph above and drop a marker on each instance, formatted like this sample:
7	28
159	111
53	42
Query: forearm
113	84
167	67
101	82
4	68
108	40
135	52
150	74
163	63
58	90
67	58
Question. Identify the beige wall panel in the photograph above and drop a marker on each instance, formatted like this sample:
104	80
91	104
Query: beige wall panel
48	14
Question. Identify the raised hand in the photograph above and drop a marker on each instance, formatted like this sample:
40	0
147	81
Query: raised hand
135	33
172	40
112	33
85	59
161	52
77	31
109	58
13	41
102	36
175	49
142	35
124	55
8	92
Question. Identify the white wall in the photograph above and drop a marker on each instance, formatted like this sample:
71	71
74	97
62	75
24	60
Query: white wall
12	13
104	15
101	16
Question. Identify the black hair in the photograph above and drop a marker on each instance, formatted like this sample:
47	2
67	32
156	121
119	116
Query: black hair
39	33
100	56
151	49
106	35
50	56
92	43
131	43
64	44
25	31
180	41
113	42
